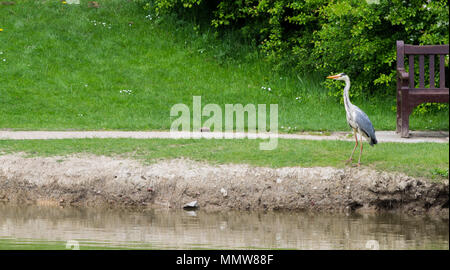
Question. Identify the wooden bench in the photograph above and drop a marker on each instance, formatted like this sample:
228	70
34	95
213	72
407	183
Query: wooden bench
408	96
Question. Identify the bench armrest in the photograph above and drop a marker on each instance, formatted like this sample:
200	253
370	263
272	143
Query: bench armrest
402	74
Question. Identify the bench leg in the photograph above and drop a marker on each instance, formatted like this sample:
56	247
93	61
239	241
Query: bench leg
398	128
405	112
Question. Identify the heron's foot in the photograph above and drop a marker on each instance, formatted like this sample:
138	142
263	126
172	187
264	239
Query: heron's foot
347	161
357	165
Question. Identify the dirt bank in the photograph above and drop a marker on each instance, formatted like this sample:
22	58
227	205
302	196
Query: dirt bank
99	180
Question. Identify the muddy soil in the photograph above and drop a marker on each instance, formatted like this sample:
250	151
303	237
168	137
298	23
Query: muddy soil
98	180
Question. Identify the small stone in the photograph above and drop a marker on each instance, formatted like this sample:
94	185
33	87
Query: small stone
224	192
205	129
191	205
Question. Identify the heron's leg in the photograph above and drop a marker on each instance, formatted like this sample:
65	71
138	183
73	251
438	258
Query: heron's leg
354	148
360	152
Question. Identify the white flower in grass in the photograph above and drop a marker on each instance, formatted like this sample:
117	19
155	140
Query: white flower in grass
126	91
266	88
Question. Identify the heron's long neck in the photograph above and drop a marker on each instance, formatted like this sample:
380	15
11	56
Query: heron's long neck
347	102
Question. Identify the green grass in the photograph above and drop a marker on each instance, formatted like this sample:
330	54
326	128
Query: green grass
418	159
61	71
41	244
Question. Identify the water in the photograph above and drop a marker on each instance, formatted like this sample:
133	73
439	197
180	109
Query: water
50	227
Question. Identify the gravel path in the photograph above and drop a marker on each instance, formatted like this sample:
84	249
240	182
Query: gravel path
382	136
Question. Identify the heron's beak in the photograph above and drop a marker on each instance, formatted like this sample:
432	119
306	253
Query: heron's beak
334	77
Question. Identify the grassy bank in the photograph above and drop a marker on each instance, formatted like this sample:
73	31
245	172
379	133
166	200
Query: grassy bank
66	66
429	160
32	244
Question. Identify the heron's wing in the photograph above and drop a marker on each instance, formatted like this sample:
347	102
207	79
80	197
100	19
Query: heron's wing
364	124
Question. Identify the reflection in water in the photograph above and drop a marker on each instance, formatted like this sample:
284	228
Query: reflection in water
169	229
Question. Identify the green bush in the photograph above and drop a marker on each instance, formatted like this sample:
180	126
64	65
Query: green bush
352	36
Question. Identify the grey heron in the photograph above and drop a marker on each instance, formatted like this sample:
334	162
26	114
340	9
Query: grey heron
356	118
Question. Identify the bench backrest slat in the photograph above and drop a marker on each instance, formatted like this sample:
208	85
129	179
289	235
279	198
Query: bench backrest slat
421	71
431	71
442	71
411	67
